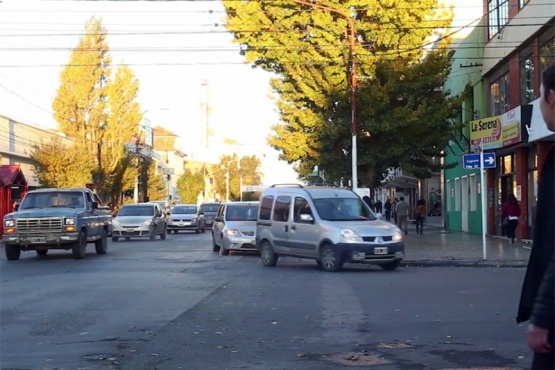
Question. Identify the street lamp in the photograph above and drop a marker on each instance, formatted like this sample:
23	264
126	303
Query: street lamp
352	40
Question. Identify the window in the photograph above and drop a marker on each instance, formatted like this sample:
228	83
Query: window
281	209
266	207
499	95
449	195
457	195
498	16
473	189
547	54
507	163
301	208
521	3
527	79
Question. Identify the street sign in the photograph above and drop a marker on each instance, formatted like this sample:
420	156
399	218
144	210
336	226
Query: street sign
472	161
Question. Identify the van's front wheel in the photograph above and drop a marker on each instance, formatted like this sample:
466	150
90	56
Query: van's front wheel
329	259
267	255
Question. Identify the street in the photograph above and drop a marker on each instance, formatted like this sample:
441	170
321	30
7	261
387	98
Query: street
174	304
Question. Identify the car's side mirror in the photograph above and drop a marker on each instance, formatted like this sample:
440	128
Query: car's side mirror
305	217
94	205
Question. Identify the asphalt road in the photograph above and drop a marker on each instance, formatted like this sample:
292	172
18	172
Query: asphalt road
174	304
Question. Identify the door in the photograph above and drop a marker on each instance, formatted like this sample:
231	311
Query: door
280	224
218	225
92	219
304	236
464	203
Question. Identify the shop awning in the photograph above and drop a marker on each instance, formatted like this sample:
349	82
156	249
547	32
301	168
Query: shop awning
11	175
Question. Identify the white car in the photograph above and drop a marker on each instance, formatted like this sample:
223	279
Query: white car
235	227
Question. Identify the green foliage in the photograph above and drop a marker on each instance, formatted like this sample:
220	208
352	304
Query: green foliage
58	165
246	169
189	186
100	112
157	186
308	49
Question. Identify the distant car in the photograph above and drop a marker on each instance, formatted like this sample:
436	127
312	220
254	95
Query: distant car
210	210
186	217
235	227
139	220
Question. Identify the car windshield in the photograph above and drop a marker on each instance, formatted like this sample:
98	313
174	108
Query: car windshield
343	209
136	211
241	213
188	210
68	199
209	207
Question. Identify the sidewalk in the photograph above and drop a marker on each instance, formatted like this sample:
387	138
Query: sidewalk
439	247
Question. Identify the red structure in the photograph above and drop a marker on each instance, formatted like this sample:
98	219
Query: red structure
13	186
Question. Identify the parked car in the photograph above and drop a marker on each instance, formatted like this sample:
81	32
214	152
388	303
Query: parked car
139	220
186	217
235	227
329	225
210	210
57	219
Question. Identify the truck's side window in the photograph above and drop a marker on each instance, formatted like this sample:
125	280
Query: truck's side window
266	207
301	207
281	208
89	200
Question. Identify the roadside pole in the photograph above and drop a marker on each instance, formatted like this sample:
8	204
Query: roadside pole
483	188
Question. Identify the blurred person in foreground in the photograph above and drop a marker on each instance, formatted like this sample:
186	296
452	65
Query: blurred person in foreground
536	300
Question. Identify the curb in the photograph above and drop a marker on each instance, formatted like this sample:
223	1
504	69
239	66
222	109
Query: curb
464	263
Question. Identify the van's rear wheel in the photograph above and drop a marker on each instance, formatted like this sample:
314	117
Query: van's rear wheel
267	255
330	259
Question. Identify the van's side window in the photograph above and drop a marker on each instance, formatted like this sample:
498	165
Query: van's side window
281	208
266	207
301	208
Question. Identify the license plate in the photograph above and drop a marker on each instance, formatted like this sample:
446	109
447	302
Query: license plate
37	240
380	250
183	223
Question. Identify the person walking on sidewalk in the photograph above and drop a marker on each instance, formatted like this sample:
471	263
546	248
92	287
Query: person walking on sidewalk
420	215
387	209
510	213
402	209
538	289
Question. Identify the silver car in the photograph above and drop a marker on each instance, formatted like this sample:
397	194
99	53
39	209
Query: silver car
235	227
139	220
186	217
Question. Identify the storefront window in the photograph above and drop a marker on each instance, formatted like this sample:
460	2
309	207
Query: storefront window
527	80
499	95
507	163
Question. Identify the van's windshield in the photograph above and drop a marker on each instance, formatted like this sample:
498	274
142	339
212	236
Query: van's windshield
343	209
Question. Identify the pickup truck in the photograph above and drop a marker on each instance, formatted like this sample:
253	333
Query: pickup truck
57	219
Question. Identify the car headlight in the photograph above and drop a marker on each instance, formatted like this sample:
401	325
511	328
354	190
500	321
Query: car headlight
232	232
350	235
69	221
9	223
147	223
398	237
115	222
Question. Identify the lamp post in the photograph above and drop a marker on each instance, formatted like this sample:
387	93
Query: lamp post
352	40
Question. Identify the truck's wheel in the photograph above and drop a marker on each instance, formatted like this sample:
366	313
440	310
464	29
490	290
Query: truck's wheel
12	252
79	248
42	252
101	245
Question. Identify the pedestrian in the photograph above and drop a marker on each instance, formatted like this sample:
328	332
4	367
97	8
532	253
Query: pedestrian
394	210
538	289
402	210
368	201
387	208
510	213
420	215
379	206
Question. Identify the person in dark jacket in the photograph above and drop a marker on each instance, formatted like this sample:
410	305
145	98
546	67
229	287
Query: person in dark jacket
387	209
511	212
538	289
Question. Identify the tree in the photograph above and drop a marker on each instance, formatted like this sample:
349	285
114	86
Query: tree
59	165
189	186
99	112
157	188
246	168
307	47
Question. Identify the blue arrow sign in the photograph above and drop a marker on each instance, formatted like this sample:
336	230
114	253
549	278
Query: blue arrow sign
472	161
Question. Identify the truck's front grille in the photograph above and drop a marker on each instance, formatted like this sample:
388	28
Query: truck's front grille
32	225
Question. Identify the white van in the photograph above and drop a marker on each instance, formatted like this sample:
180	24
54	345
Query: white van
330	225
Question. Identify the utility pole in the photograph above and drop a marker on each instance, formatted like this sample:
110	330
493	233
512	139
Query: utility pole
206	105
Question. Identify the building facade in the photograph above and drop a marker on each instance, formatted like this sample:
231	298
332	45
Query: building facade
502	114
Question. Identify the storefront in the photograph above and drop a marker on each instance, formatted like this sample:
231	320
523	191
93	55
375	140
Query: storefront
13	187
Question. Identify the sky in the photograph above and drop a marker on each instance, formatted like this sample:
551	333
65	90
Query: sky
181	55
